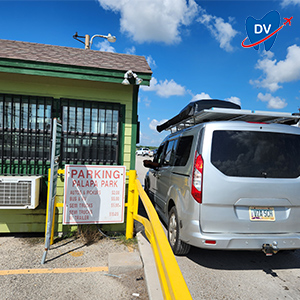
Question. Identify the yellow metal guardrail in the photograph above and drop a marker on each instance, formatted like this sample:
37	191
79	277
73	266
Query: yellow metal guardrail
172	282
59	172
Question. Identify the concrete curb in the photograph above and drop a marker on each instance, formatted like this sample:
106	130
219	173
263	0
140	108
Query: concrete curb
151	275
123	262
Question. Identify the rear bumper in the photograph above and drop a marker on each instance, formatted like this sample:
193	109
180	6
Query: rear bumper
230	241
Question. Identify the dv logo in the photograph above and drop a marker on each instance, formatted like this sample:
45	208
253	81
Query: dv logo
264	30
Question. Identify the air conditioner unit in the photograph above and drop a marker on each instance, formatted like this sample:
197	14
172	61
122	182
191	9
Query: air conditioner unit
19	192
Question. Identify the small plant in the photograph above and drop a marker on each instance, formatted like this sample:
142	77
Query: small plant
128	242
89	234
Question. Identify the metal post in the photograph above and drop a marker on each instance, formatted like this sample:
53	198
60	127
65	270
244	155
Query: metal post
87	41
55	151
53	221
130	204
135	197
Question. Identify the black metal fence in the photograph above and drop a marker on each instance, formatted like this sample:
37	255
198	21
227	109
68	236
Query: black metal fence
90	133
25	133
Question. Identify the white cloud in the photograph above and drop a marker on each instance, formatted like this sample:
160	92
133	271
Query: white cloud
154	139
222	31
165	88
130	50
151	61
200	96
147	102
203	95
153	20
234	99
276	72
154	123
273	102
267	54
105	46
288	2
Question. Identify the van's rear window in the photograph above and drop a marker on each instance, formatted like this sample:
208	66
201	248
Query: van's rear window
256	154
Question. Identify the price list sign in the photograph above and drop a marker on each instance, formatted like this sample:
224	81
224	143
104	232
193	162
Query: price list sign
94	194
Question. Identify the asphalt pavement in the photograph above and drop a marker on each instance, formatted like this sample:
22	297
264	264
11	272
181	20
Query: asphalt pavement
217	274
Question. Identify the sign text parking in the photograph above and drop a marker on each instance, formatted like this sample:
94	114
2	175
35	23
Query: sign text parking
94	194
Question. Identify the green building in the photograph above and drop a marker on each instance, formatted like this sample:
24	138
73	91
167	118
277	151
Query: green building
83	89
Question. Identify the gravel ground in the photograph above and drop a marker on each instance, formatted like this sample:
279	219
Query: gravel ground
18	252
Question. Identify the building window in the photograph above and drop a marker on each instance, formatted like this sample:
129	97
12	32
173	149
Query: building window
25	124
90	132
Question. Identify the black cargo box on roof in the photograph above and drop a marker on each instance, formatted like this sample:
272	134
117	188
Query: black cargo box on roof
195	107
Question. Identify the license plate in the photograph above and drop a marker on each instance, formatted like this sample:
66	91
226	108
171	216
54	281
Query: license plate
262	214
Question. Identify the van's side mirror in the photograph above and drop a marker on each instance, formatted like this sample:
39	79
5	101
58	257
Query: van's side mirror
150	164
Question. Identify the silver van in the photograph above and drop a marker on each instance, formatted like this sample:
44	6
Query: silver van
229	184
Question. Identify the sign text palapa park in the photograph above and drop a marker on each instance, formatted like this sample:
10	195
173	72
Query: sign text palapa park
94	194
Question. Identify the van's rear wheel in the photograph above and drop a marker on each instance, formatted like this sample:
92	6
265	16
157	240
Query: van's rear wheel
178	246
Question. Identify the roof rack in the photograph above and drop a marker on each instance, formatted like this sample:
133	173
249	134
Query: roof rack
227	114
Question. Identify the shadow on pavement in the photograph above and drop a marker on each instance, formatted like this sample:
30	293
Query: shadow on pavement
244	260
65	253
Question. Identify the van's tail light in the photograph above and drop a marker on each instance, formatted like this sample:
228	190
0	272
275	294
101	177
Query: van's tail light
197	178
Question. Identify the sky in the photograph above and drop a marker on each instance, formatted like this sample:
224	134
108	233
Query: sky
193	48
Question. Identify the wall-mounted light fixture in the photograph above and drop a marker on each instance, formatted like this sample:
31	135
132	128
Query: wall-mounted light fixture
89	41
131	78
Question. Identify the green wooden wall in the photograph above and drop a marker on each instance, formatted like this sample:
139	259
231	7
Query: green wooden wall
12	220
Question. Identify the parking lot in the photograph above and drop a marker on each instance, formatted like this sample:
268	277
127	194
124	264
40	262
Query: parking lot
212	274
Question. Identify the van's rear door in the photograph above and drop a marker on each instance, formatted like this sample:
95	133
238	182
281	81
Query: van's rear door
251	181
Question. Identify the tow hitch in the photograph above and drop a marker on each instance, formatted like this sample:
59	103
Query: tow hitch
270	249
